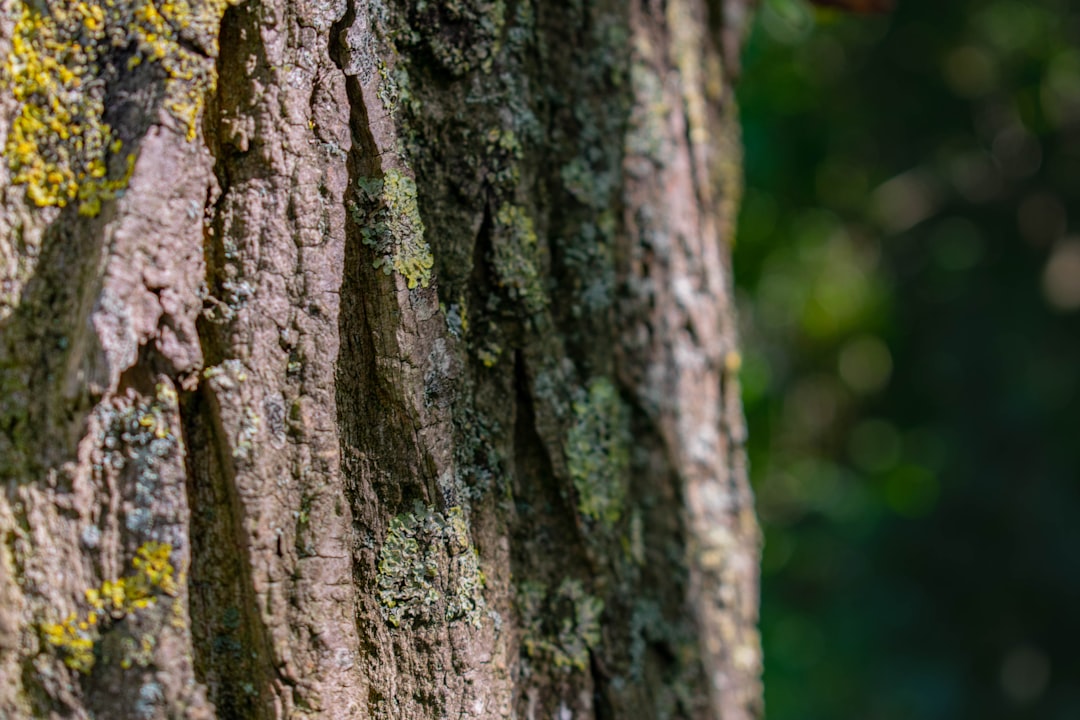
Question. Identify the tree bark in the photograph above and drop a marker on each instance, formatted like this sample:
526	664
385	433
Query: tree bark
372	358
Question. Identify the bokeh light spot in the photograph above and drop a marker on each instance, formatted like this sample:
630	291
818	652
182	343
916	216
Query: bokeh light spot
905	201
865	364
1060	89
755	375
1017	151
1061	276
975	175
812	404
970	71
1025	673
787	21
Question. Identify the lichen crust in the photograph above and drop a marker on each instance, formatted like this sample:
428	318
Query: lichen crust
387	213
76	636
427	564
66	61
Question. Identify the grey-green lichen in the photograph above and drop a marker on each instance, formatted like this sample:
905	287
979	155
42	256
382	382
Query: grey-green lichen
523	30
388	89
246	434
560	628
516	258
479	464
504	153
389	219
138	438
64	58
647	134
598	451
462	34
226	379
590	259
428	567
648	627
592	188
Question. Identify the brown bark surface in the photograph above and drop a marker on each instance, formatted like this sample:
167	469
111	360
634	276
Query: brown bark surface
372	358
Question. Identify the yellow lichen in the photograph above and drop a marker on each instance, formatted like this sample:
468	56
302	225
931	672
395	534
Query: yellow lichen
75	637
389	218
64	59
74	640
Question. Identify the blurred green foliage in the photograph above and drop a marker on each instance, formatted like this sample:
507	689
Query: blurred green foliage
908	266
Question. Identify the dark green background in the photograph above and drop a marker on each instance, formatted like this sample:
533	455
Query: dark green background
910	290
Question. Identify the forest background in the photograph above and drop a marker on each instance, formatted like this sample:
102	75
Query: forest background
909	270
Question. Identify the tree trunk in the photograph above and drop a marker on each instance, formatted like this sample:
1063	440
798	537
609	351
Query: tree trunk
372	358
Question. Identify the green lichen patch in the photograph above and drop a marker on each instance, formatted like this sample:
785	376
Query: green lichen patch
522	32
428	567
560	628
598	451
389	219
503	155
65	56
76	636
516	258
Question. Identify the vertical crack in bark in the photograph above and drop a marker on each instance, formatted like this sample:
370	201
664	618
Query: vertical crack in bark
232	650
395	376
279	554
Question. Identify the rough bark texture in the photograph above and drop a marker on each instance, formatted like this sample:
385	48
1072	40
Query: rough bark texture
392	374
